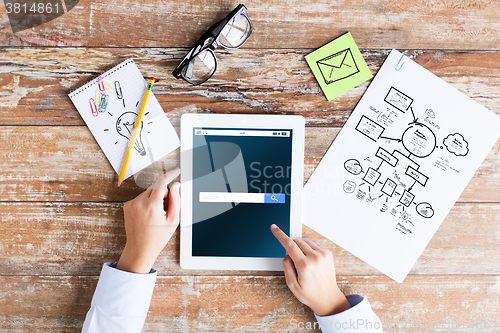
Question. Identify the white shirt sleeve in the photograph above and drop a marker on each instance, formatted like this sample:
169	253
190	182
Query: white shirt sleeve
359	318
121	301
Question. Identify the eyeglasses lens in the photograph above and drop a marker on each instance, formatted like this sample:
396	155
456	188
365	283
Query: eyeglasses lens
200	68
235	32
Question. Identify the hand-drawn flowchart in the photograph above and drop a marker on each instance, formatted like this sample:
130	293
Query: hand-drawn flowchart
397	167
388	177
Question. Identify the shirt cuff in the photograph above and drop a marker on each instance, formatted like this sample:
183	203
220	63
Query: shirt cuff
134	291
359	318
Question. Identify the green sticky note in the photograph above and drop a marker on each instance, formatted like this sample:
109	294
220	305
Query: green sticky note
338	66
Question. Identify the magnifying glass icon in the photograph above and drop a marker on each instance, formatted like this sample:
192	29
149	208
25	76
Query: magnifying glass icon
273	197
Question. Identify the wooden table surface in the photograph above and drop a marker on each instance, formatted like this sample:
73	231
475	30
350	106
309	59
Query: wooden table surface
61	214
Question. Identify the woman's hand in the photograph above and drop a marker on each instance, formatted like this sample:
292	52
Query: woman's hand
310	275
150	221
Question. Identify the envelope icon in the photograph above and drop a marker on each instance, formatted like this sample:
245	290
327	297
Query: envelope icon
337	66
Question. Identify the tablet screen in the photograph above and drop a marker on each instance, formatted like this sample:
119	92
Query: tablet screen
241	185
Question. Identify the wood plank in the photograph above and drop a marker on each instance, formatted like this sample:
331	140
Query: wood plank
375	24
252	304
274	81
77	238
64	163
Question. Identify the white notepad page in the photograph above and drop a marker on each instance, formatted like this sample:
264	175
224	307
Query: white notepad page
109	105
401	161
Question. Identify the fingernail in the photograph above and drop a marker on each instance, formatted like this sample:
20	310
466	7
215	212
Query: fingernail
274	226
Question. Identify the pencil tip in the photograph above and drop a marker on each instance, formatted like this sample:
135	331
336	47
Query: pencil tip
119	183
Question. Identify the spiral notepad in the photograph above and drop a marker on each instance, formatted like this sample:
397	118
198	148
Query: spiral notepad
109	105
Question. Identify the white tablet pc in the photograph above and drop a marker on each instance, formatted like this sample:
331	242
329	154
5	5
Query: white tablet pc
239	175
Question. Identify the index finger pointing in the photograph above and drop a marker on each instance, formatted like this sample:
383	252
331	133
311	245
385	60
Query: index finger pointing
292	249
159	188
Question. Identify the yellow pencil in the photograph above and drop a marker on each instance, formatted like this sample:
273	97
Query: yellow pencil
149	87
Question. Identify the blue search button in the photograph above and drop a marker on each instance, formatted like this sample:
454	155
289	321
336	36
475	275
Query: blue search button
274	198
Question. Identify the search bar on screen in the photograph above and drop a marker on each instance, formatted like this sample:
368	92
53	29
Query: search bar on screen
242	197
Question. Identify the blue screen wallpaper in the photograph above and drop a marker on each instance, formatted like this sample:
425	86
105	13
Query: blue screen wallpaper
242	164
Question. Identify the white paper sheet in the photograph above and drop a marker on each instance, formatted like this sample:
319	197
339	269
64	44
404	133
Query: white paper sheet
109	105
398	165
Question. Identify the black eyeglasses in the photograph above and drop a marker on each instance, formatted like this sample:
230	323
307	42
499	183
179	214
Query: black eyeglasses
200	63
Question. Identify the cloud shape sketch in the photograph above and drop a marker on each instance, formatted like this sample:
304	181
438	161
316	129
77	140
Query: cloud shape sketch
353	166
430	113
425	209
349	186
456	144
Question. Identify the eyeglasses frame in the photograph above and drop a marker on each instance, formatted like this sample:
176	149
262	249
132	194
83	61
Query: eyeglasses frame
209	41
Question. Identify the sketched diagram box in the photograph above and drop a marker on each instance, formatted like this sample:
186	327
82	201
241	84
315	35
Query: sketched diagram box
386	156
417	175
369	128
389	187
398	99
407	198
338	66
371	176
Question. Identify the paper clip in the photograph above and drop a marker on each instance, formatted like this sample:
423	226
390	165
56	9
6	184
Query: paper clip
398	67
109	88
97	98
104	103
100	84
118	90
93	107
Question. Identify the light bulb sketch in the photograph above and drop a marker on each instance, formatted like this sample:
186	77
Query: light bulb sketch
126	121
125	126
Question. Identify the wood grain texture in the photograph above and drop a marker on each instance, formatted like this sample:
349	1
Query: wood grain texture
61	215
415	24
251	304
34	83
76	238
64	163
